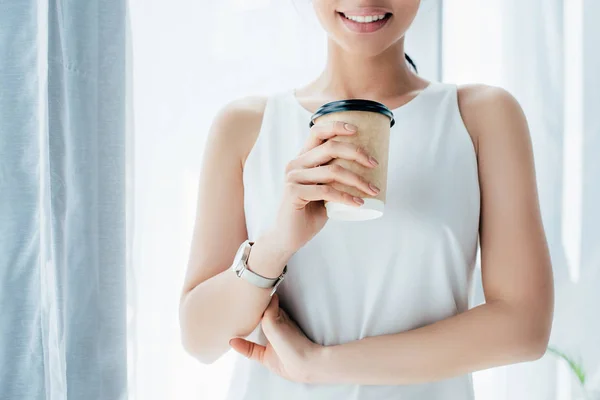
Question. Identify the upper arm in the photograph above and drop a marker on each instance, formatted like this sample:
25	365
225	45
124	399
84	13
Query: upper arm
220	224
515	261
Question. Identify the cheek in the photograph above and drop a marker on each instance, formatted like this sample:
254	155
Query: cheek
405	11
325	11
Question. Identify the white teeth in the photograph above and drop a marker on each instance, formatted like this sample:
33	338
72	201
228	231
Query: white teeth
364	19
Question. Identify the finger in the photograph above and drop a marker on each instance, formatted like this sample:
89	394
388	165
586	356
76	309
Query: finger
326	130
334	149
332	173
329	150
272	310
308	193
248	349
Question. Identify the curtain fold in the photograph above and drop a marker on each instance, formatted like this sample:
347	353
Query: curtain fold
62	126
21	356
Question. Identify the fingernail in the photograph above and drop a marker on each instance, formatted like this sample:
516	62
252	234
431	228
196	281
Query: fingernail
350	128
374	188
358	200
373	161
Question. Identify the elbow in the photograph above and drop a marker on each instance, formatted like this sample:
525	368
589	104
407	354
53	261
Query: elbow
197	351
531	326
198	347
534	343
535	348
192	340
537	333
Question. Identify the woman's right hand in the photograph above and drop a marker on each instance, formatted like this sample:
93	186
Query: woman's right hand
302	212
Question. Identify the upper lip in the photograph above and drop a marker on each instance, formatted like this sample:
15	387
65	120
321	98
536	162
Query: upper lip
365	11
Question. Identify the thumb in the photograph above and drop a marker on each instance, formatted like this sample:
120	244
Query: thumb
272	310
248	349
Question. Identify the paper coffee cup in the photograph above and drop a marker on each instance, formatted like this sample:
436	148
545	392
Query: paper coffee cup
373	121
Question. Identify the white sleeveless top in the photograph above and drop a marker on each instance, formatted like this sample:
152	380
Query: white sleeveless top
407	269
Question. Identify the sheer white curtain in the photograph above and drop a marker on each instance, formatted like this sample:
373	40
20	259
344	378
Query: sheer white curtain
190	58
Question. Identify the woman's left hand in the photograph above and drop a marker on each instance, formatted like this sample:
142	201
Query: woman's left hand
288	353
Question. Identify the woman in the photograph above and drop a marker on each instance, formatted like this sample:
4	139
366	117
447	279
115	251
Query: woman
375	309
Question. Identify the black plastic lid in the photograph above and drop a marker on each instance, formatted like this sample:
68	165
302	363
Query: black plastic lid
352	105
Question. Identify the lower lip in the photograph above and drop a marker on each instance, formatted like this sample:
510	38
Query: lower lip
367	27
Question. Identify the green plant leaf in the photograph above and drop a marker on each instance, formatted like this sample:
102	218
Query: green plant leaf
575	367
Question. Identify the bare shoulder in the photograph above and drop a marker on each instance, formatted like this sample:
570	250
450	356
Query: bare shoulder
237	125
244	110
490	111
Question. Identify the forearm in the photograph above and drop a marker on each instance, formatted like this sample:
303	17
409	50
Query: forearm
486	336
226	306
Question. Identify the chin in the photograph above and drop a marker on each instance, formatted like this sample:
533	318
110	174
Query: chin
367	50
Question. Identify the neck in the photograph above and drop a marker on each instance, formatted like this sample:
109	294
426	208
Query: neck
349	75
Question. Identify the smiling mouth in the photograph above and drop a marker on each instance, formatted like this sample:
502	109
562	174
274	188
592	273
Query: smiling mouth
366	19
365	23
